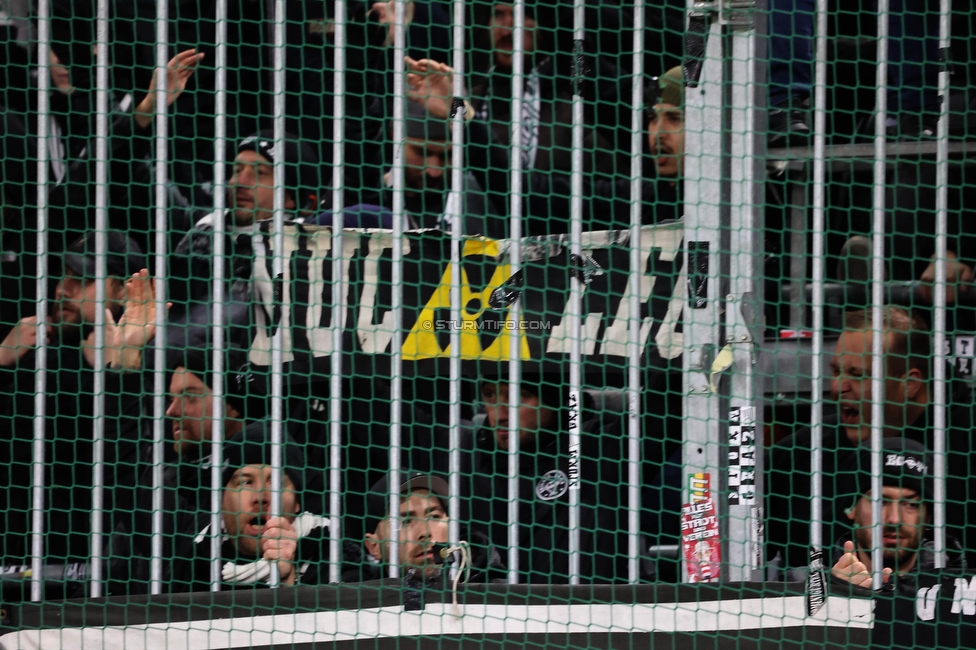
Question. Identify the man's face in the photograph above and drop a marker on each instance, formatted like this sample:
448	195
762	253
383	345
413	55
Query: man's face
60	77
533	416
426	165
247	506
903	522
666	134
423	523
250	193
191	410
502	31
74	300
850	386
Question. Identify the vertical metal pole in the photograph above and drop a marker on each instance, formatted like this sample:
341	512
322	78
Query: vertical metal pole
798	250
637	129
40	366
396	388
747	110
819	207
877	293
515	312
159	348
219	298
702	430
277	379
576	297
457	192
101	224
338	293
941	208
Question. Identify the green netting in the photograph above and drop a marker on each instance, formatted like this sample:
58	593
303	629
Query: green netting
649	485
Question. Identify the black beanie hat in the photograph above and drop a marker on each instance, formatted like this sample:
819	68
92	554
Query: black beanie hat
252	446
300	160
904	464
189	344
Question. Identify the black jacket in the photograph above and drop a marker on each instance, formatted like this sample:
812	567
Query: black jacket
954	564
788	481
544	503
69	453
186	489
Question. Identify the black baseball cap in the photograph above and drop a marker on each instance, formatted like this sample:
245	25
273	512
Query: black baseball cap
300	160
378	499
123	256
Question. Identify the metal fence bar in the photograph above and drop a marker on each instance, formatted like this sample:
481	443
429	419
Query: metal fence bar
637	135
338	293
159	370
277	354
703	169
456	217
40	365
101	224
817	301
877	292
576	296
219	297
515	312
396	388
939	293
746	107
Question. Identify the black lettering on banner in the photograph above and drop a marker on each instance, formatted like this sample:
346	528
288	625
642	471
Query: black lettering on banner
300	289
697	274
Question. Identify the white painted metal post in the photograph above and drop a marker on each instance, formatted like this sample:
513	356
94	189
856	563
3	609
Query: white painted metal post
877	292
637	135
396	361
339	288
101	225
38	496
159	371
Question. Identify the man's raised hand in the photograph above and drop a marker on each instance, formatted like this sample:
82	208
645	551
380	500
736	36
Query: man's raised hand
19	341
431	85
179	70
850	569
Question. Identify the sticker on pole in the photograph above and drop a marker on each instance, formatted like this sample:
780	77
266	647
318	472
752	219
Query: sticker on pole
700	541
742	456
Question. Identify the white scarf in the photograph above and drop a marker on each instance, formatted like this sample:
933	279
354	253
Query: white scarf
250	573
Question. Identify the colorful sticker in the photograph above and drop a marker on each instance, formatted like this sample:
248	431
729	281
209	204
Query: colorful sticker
699	532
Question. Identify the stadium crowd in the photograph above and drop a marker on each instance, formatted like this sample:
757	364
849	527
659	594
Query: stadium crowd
298	540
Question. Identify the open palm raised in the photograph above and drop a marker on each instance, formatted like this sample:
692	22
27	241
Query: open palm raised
431	85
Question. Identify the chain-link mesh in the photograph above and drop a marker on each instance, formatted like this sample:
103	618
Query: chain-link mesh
547	323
